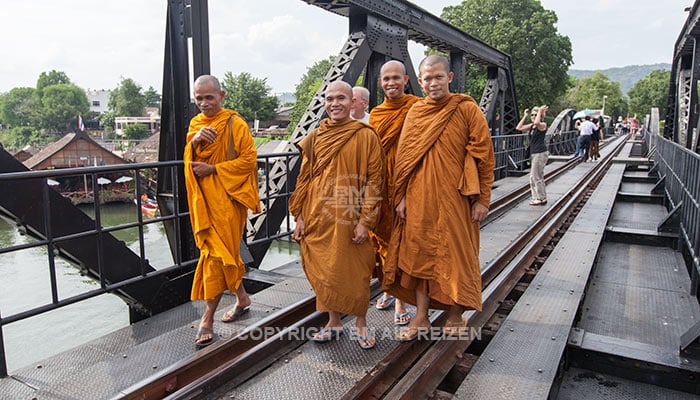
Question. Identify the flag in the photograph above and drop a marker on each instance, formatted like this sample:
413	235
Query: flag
81	125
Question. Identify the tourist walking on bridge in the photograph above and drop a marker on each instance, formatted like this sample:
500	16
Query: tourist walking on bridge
442	190
586	131
387	119
537	131
221	178
335	204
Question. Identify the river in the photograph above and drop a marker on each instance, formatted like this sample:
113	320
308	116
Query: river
24	283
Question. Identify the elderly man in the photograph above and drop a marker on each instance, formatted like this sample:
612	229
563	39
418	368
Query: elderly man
335	203
387	119
221	177
442	189
360	100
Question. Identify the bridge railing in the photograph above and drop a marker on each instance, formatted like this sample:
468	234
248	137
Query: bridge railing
92	185
680	169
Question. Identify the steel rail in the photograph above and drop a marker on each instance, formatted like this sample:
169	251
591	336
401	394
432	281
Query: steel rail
240	356
415	369
233	360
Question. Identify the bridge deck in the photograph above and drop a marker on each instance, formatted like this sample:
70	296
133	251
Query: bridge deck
637	305
101	368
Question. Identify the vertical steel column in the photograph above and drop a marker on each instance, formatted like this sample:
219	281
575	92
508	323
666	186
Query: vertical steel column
201	63
176	112
458	65
691	137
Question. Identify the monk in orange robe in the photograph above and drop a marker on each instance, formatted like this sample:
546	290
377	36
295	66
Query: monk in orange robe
387	119
442	190
221	177
335	203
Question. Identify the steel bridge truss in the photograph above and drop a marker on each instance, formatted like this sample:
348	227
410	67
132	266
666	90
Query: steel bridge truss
378	31
682	122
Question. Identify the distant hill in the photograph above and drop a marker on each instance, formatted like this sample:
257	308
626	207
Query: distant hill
627	76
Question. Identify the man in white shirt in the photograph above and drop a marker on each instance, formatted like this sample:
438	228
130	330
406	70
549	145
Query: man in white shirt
586	129
360	95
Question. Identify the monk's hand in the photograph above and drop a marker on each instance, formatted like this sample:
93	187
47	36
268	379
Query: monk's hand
360	234
205	135
299	229
479	212
401	208
202	169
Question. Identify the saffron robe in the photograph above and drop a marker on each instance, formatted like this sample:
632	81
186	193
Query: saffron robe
339	186
387	119
444	164
219	202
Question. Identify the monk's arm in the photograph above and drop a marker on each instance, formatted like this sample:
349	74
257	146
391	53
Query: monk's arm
296	200
480	147
376	171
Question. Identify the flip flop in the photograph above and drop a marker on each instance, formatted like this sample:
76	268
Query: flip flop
407	334
385	302
369	342
234	313
402	319
331	333
201	332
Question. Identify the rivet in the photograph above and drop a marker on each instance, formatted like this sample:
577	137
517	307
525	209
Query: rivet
491	359
539	370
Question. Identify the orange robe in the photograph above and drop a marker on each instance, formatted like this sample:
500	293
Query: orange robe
339	186
444	164
219	202
387	119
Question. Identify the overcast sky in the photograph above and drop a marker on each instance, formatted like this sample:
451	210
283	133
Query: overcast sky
97	42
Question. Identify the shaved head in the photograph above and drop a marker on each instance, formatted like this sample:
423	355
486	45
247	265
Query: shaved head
393	63
208	79
434	59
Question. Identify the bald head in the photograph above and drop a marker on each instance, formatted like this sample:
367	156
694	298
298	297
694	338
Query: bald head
338	101
208	80
393	79
393	64
433	60
208	95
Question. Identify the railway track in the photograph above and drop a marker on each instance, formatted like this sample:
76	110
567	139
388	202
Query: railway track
411	370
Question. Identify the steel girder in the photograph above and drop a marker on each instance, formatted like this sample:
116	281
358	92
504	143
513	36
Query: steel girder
379	31
682	122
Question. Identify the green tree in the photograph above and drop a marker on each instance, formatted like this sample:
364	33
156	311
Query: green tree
307	87
52	77
61	105
525	30
107	120
19	107
127	100
18	137
152	97
650	91
249	96
588	93
136	131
